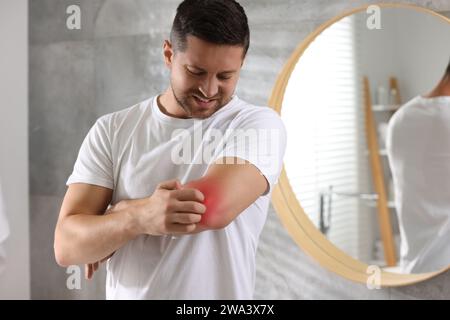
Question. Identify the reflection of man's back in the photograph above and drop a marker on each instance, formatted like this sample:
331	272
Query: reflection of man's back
418	146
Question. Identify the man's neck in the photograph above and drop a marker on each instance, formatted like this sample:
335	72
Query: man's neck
442	89
169	105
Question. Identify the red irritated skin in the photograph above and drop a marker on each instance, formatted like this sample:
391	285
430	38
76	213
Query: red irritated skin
211	218
228	189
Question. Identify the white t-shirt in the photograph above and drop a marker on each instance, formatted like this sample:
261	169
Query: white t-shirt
418	144
132	150
4	231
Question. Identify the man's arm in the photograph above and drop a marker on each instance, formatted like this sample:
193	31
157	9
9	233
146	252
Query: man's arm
84	235
228	189
81	225
229	186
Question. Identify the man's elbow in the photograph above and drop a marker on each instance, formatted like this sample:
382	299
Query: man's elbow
60	256
61	259
216	219
218	212
61	253
213	225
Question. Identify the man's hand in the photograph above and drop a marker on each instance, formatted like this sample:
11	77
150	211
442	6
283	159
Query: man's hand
225	191
171	209
90	268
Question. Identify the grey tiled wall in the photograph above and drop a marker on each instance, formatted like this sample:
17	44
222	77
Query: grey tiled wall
115	61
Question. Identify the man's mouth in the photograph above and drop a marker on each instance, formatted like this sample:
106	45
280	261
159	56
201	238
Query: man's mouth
203	102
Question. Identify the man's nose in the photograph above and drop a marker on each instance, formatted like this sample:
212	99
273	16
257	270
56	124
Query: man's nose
209	88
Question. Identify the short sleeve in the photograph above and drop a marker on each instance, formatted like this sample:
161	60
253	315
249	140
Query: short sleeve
94	164
258	137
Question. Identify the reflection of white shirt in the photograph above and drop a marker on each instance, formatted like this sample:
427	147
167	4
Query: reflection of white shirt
418	146
132	150
4	230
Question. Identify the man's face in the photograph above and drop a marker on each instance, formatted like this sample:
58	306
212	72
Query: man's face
204	76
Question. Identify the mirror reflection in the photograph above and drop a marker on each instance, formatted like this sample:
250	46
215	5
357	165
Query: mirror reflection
367	108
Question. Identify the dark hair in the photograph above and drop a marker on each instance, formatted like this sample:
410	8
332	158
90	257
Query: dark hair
216	21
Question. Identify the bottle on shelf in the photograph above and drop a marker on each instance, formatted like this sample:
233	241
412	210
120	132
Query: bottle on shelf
393	97
381	96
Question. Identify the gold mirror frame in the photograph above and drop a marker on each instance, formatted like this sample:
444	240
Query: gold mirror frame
296	221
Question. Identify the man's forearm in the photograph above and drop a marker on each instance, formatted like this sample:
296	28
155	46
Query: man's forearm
83	238
86	238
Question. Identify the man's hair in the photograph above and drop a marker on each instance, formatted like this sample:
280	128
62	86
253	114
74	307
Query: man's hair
222	22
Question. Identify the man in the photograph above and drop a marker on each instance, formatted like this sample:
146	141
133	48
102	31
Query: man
418	145
178	229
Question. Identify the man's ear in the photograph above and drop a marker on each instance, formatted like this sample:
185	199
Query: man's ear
168	53
243	59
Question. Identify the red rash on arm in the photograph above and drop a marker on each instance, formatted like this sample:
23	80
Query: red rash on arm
228	190
212	201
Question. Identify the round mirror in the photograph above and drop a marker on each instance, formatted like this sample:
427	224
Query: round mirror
345	97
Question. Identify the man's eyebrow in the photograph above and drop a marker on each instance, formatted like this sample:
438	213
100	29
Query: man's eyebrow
203	70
